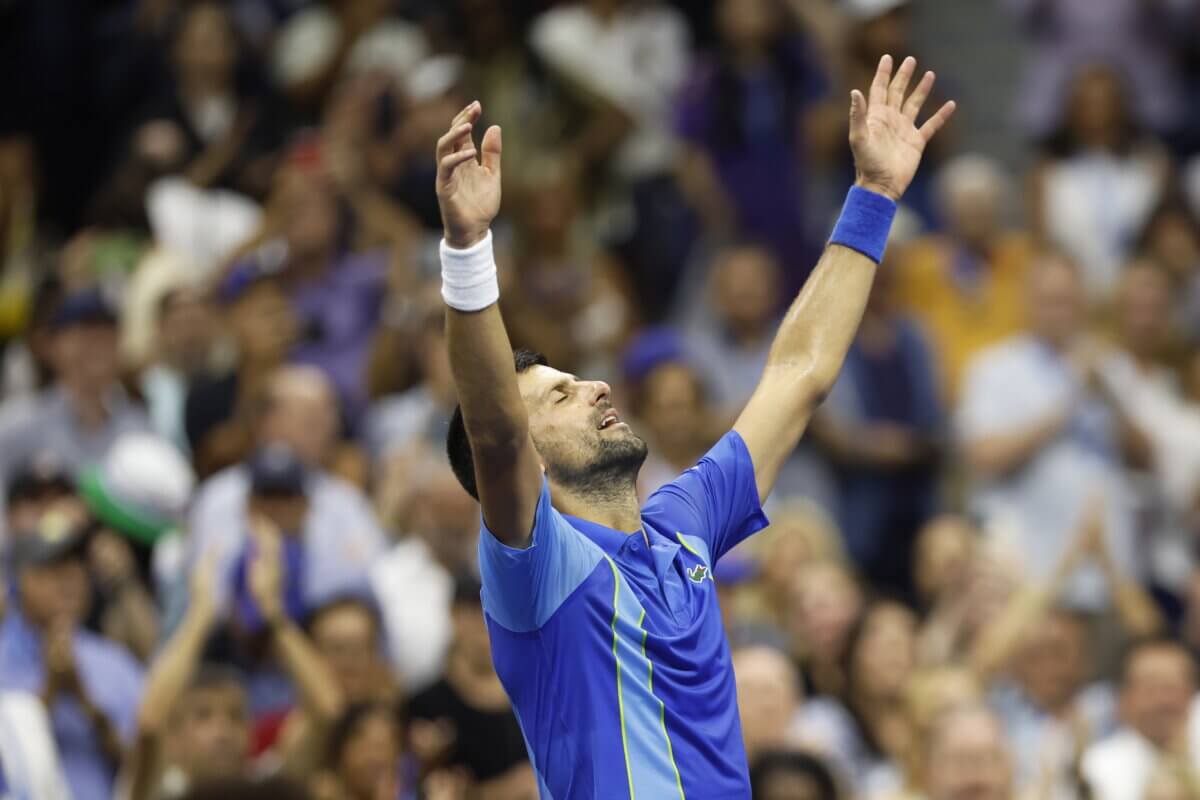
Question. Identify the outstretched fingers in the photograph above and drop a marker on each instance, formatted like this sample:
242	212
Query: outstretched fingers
899	85
879	85
912	106
935	123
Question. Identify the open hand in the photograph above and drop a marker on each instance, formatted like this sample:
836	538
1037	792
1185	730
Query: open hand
266	570
468	189
884	136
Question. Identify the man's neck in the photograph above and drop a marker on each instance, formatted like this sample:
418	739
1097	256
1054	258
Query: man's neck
90	407
617	508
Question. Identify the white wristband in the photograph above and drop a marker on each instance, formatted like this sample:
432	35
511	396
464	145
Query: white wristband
469	276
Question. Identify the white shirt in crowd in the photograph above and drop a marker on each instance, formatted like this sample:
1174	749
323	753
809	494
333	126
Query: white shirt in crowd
1119	767
1037	509
414	593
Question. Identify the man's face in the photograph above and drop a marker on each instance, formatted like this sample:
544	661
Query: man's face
303	416
1158	688
1056	303
968	760
577	432
1144	308
53	592
1051	665
212	734
186	331
766	694
86	355
346	638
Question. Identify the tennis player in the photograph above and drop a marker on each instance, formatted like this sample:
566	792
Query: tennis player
602	615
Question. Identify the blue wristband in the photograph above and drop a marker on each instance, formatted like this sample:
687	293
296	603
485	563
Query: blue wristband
865	222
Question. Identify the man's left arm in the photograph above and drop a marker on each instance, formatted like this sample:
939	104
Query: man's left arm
812	341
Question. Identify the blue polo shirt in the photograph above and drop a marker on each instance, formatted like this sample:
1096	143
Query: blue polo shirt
613	652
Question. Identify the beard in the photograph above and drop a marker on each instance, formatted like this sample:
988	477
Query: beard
609	471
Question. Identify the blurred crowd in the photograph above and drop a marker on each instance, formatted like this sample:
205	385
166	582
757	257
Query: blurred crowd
234	553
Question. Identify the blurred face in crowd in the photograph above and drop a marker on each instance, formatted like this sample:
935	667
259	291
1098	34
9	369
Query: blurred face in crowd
934	691
206	49
1144	309
942	554
210	737
968	758
672	405
54	592
825	603
1097	108
264	324
1050	667
883	33
745	289
85	357
301	413
312	216
796	537
186	325
347	638
885	651
971	196
1173	240
1158	687
548	206
748	25
22	513
447	518
369	761
471	636
1056	302
767	695
580	443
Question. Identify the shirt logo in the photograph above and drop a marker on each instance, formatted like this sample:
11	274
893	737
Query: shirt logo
699	573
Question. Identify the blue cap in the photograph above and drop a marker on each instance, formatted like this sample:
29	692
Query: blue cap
650	349
276	470
83	307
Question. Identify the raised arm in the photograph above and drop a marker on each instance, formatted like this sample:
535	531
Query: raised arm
508	473
819	327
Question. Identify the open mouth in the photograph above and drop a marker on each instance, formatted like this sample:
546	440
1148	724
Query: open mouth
610	418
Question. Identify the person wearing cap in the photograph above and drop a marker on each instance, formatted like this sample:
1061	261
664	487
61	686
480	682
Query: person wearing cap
330	520
471	709
90	685
39	483
86	408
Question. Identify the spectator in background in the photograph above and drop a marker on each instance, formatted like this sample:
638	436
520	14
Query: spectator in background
1158	688
182	357
623	62
968	757
329	516
1042	444
1171	238
572	300
414	581
769	699
791	775
742	117
229	122
90	685
825	603
1137	38
79	417
470	710
1099	181
362	757
335	294
219	413
966	285
36	486
881	427
865	731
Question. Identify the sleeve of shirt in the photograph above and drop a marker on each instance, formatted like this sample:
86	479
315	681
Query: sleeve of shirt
523	588
716	500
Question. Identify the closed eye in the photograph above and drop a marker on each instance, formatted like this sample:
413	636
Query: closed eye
561	399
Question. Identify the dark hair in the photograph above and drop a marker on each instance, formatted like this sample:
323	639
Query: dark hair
458	446
214	675
344	602
792	762
276	788
348	725
852	697
1156	641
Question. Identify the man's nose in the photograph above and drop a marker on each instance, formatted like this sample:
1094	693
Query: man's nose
600	390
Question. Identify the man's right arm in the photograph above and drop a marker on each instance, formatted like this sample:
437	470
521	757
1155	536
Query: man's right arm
508	473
